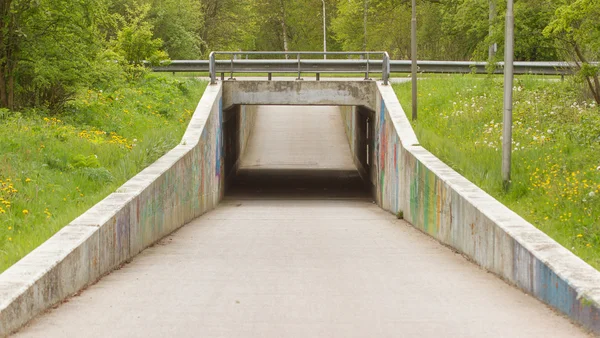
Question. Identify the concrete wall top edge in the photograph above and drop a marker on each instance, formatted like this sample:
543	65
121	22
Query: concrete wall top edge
19	277
396	113
570	268
75	242
547	250
199	118
109	206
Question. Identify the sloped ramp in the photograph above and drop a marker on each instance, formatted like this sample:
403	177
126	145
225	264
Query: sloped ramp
283	262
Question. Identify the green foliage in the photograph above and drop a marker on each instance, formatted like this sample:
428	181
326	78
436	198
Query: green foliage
82	161
555	177
135	41
47	50
230	25
53	168
383	17
178	24
575	26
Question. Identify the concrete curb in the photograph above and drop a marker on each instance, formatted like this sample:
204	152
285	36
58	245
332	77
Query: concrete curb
180	186
439	201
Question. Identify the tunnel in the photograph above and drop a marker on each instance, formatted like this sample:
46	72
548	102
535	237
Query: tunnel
295	151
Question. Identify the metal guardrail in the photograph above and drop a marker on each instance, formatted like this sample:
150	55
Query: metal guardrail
367	65
297	64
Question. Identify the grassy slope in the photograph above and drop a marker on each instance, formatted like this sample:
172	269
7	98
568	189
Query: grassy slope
556	149
54	167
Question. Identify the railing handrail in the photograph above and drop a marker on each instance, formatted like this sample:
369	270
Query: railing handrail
213	62
296	52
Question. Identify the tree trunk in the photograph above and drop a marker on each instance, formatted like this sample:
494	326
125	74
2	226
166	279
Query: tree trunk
324	31
11	86
592	81
3	96
492	18
284	28
4	33
365	13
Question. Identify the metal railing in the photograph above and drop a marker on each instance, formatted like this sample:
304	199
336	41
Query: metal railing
236	63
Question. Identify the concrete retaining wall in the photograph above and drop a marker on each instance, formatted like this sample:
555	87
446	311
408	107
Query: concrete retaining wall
437	200
359	127
182	185
248	118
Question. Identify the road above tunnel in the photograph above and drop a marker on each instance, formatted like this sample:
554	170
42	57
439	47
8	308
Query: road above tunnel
300	262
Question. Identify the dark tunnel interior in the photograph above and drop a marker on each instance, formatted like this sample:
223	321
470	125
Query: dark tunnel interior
297	152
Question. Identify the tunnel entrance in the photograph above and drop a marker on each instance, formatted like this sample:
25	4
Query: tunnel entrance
297	152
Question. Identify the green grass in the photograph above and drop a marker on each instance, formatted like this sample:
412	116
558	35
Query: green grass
556	149
54	167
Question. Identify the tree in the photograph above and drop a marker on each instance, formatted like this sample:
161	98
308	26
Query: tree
178	23
382	17
12	14
135	41
229	25
47	50
575	27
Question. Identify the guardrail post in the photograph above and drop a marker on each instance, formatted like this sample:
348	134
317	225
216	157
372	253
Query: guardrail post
231	75
386	68
270	76
212	68
299	77
318	76
367	73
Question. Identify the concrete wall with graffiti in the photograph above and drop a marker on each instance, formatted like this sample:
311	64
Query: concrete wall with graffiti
182	185
437	200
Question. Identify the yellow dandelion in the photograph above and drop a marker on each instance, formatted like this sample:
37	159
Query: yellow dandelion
9	228
25	211
28	180
10	239
588	245
579	235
